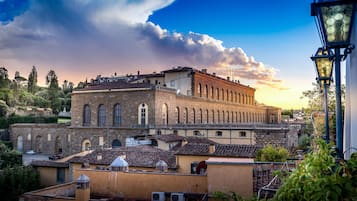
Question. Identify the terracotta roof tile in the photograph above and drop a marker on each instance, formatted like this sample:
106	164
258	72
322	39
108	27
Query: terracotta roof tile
115	85
38	163
222	150
138	156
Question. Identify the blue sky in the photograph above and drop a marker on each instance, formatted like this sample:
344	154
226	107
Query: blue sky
264	44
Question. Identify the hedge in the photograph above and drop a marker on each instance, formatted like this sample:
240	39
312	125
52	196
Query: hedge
6	122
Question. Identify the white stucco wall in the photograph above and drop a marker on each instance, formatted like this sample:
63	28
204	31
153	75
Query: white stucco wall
350	126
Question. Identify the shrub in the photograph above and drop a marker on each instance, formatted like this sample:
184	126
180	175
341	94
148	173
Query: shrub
319	177
272	154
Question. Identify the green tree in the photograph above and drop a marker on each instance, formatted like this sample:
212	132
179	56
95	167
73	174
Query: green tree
272	154
32	81
53	91
4	78
18	180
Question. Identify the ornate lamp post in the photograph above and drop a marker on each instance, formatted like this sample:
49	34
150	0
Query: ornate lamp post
324	67
334	20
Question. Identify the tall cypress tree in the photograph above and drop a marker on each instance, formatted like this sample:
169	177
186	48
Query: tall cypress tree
32	81
53	91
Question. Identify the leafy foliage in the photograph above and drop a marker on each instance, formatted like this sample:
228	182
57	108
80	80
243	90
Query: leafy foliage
32	81
5	122
9	157
270	153
319	177
16	181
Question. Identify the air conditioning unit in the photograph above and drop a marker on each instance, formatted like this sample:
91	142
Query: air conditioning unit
177	197
158	196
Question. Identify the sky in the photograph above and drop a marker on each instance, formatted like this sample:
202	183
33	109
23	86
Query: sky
264	44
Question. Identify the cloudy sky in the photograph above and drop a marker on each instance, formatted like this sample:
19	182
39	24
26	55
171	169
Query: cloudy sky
264	44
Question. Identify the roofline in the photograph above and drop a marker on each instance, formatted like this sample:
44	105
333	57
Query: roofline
110	90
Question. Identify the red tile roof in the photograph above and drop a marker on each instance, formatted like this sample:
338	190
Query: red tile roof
221	150
138	156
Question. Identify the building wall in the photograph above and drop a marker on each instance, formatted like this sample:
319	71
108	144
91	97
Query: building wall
229	178
48	176
140	185
184	162
129	101
233	91
181	81
43	138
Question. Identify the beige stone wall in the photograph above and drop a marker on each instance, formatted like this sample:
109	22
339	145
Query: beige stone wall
43	138
141	185
229	178
184	162
48	176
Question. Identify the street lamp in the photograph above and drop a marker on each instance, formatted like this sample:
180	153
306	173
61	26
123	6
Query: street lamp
324	67
334	20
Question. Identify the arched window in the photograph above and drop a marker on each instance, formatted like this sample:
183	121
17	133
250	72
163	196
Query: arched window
227	116
242	98
217	94
212	117
222	92
116	143
101	115
199	89
193	116
164	113
243	117
117	115
86	115
20	143
177	115
240	117
235	96
185	115
200	116
239	98
223	117
236	113
207	117
86	145
206	91
218	117
143	114
232	118
212	92
227	95
231	96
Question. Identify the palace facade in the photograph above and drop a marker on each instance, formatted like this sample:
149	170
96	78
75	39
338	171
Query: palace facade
134	109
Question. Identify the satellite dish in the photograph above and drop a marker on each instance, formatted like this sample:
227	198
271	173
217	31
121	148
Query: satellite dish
178	91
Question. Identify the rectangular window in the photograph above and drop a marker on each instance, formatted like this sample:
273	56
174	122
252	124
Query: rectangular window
218	133
242	134
172	83
196	133
61	175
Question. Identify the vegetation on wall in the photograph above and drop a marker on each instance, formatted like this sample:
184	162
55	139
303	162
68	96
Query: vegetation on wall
320	177
272	154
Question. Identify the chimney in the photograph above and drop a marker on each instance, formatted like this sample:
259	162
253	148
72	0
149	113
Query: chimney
204	70
228	78
211	148
214	74
138	72
82	188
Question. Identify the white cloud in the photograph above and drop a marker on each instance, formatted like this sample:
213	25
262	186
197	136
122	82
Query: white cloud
103	37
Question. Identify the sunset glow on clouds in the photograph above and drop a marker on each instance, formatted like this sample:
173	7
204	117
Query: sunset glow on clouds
80	39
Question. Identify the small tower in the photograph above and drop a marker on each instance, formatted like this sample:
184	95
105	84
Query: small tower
119	164
82	189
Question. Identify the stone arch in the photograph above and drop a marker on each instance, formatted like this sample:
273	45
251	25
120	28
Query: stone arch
86	145
38	144
116	143
20	143
58	146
